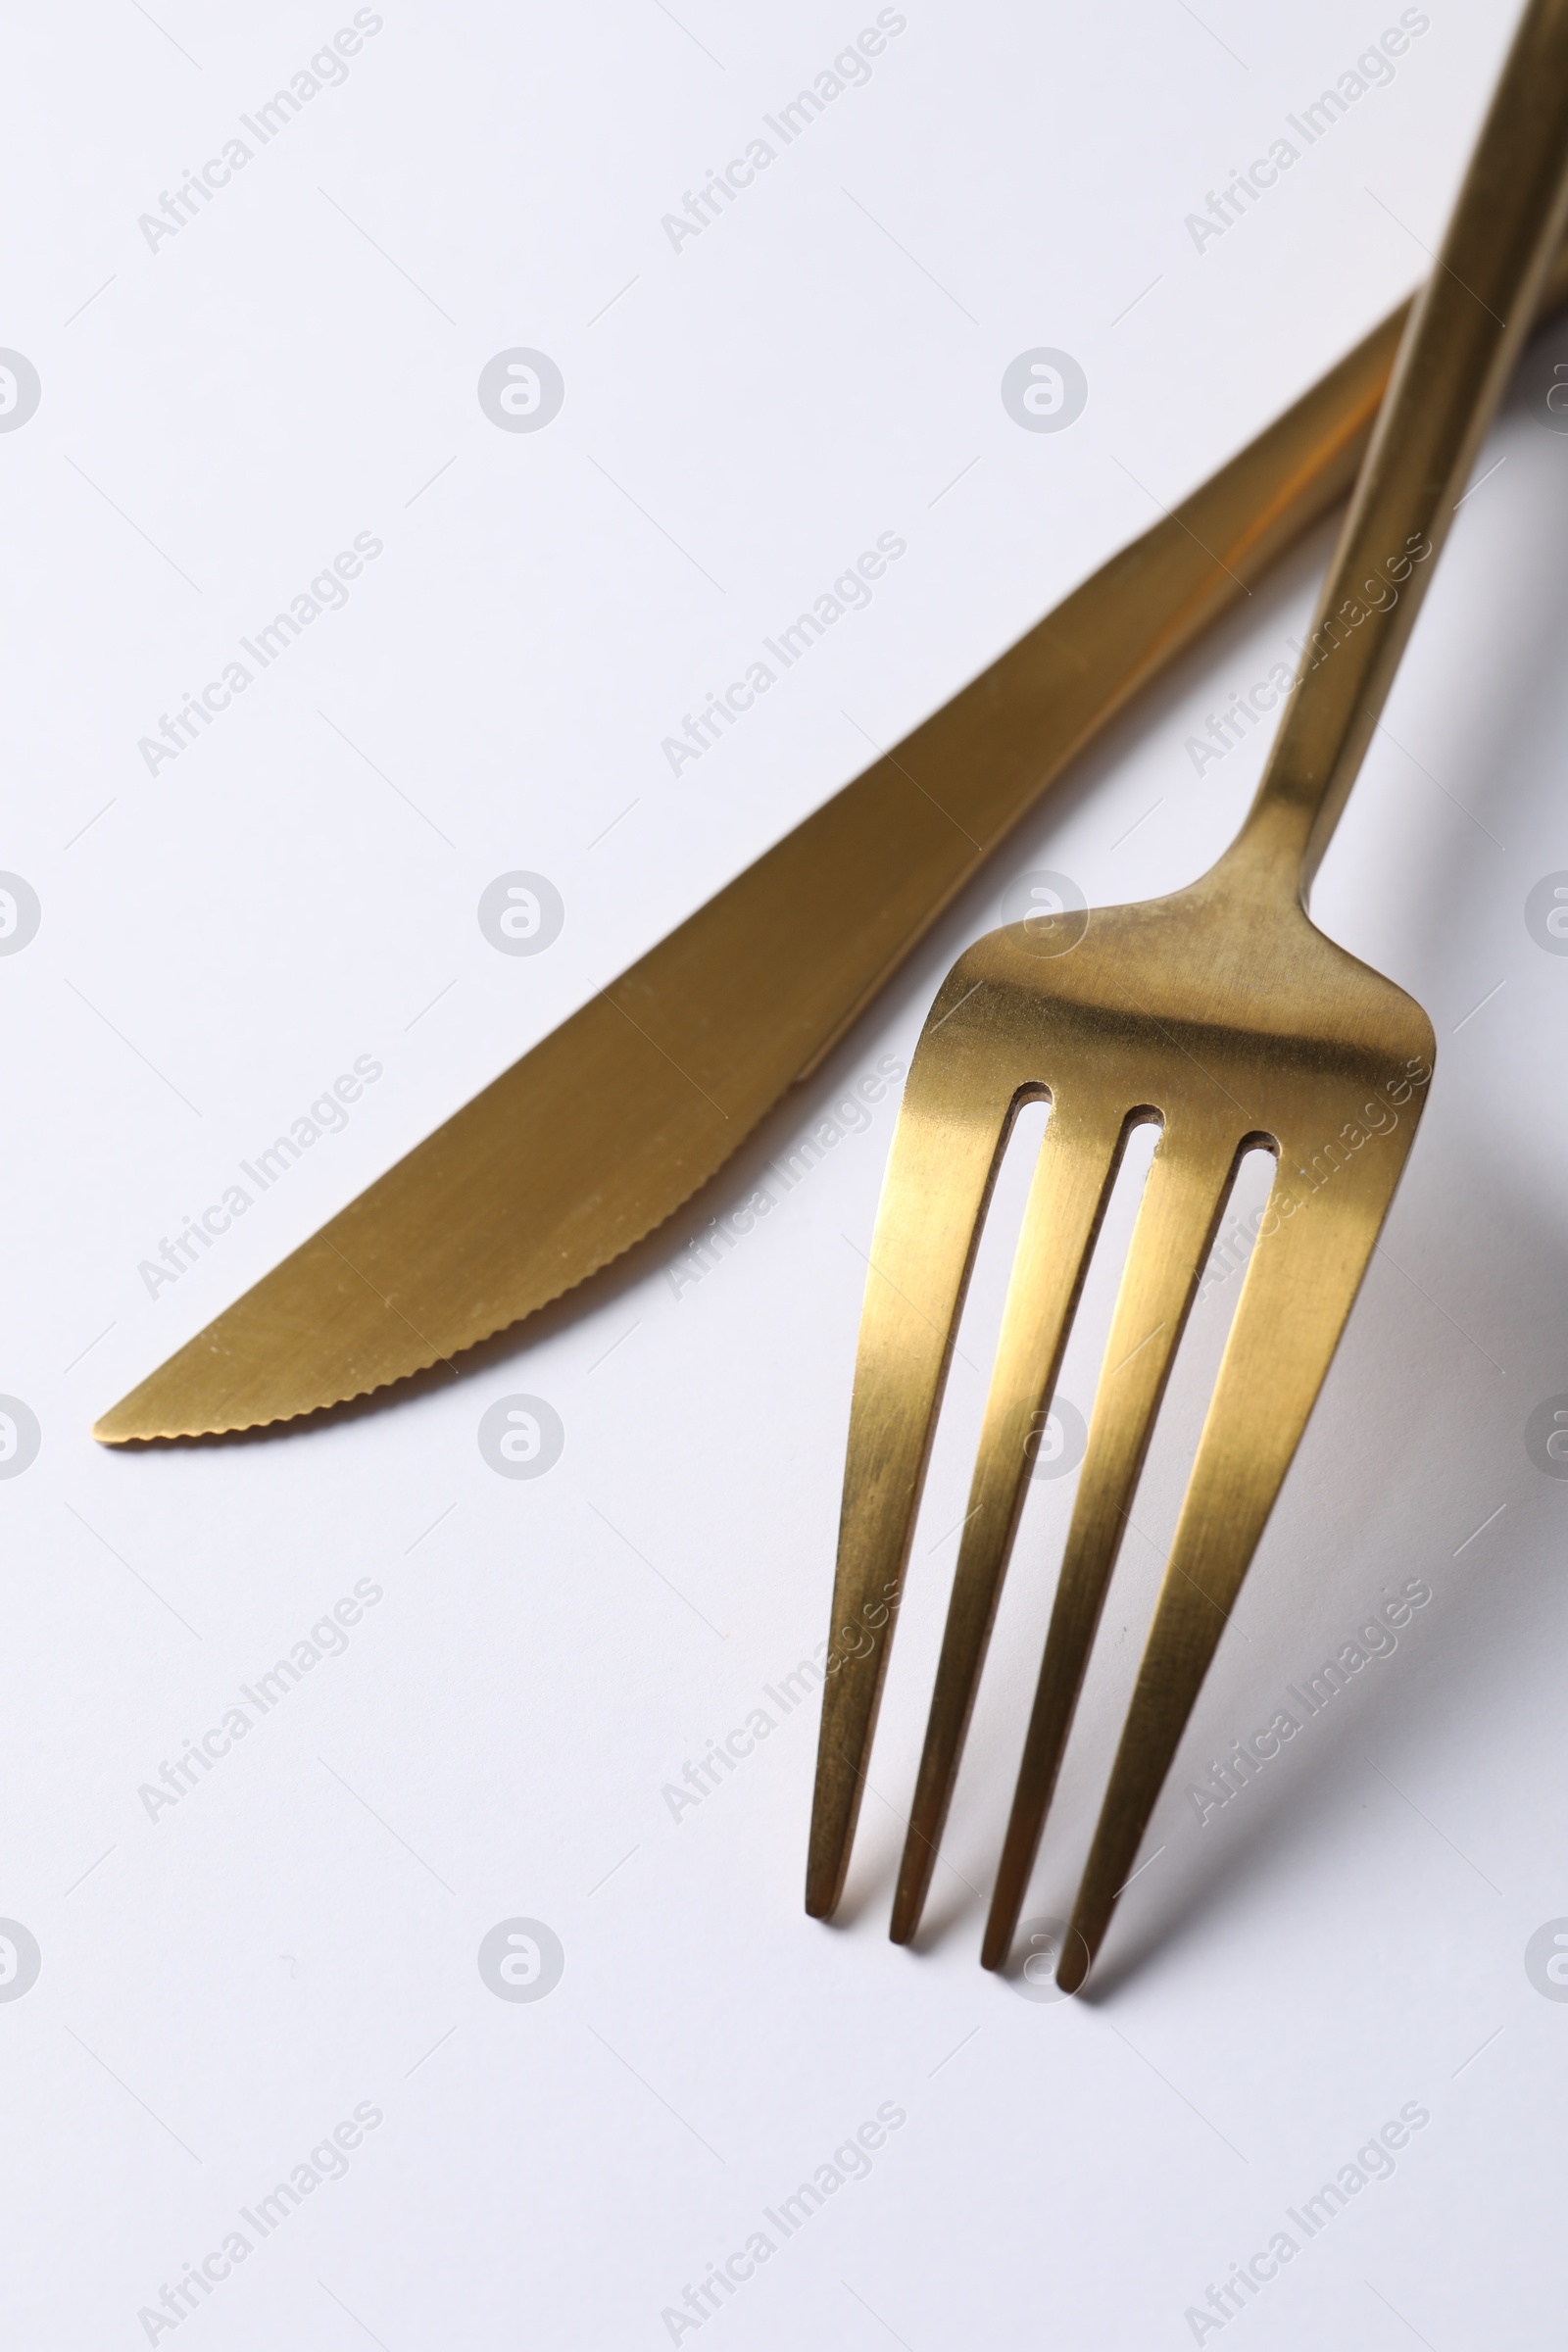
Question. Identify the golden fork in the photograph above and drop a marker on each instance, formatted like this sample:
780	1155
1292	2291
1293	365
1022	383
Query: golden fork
1224	1017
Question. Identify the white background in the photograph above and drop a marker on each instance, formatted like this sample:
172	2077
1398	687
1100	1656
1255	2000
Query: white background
222	1985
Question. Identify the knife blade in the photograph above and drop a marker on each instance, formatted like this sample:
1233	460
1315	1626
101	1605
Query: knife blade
621	1115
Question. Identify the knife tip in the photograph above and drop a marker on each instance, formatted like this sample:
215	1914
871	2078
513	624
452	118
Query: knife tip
156	1410
120	1426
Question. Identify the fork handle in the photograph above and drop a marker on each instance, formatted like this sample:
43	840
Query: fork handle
1464	334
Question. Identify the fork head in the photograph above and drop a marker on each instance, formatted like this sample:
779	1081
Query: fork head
1222	1015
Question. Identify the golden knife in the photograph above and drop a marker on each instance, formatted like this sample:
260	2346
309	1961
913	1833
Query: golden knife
616	1118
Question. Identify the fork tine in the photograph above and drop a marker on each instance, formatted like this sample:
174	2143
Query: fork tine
1189	1183
1304	1277
1073	1177
959	1101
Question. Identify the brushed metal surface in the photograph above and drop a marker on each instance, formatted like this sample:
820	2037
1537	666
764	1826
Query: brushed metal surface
606	1126
1222	1015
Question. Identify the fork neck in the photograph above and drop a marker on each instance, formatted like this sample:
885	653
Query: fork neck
1464	334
